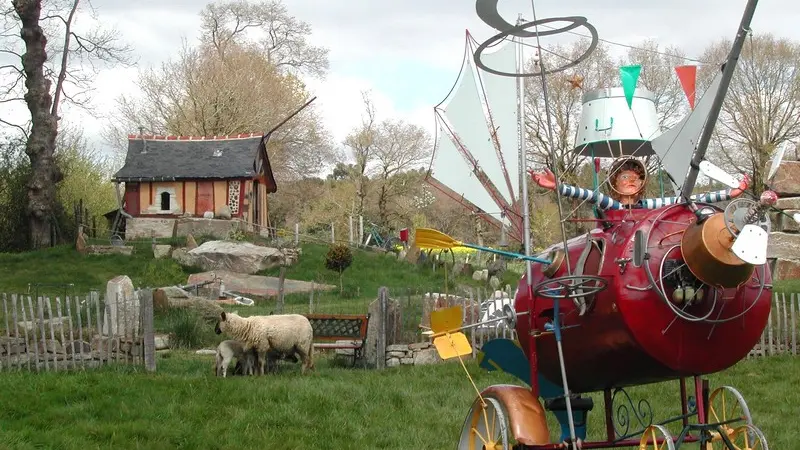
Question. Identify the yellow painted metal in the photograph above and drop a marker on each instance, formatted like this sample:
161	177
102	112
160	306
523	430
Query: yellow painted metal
452	345
430	238
446	320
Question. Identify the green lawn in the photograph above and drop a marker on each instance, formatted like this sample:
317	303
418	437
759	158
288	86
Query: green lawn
184	406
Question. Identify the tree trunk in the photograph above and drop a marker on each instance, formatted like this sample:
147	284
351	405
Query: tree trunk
44	125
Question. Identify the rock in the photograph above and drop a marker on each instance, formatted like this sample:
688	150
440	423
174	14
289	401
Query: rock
174	298
162	342
241	257
224	212
191	244
206	351
783	246
787	179
787	224
496	267
396	354
161	251
786	269
425	357
392	362
406	361
208	215
58	325
121	303
419	346
78	347
397	348
788	203
477	275
494	282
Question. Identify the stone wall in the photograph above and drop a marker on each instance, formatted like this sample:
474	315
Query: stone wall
53	354
148	227
784	241
417	354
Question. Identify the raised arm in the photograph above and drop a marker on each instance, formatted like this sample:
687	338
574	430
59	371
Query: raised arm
705	197
547	181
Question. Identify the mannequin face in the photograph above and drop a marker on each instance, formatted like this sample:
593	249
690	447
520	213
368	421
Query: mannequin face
628	183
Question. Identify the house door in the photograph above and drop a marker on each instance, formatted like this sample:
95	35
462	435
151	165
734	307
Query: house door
256	209
205	197
132	199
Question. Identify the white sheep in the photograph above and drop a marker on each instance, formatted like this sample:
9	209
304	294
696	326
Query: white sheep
284	333
227	351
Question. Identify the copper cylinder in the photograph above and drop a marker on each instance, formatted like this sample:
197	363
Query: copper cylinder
706	249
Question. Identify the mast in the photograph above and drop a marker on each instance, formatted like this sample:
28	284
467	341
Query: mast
727	75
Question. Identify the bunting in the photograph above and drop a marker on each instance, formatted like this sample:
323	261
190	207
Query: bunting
688	78
630	76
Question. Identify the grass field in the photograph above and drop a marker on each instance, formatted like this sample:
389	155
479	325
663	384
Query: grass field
184	406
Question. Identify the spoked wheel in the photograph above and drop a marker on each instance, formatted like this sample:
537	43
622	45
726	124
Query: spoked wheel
652	435
746	437
726	404
575	287
486	427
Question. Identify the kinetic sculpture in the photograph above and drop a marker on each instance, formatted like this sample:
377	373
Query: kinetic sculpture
663	289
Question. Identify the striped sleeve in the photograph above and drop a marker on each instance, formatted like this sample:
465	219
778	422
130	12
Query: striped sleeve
602	201
706	197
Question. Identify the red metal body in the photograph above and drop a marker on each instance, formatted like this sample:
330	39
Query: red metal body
628	334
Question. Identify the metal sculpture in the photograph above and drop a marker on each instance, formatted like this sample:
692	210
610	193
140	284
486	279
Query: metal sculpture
663	289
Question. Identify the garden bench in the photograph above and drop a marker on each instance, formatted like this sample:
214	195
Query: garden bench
330	328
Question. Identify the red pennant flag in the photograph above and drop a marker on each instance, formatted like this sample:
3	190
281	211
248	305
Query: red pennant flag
688	78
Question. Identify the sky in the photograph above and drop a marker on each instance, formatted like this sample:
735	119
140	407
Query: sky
408	53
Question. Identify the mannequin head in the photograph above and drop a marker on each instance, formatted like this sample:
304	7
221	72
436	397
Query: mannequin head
627	178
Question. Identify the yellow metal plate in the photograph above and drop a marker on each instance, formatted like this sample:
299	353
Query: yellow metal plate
446	319
452	345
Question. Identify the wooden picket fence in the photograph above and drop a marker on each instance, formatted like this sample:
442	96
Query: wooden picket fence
77	332
780	335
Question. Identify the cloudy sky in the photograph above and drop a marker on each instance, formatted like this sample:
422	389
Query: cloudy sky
409	52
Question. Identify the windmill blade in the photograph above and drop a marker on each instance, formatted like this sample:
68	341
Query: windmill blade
751	245
776	160
717	174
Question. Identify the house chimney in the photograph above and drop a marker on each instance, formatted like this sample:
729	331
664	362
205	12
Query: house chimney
144	142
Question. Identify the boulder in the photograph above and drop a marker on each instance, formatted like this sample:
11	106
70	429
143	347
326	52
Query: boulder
240	257
787	179
122	303
171	297
783	246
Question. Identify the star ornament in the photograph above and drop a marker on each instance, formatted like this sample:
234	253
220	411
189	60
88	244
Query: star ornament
576	81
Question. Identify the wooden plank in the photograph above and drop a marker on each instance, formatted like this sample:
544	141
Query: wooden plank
40	315
146	302
61	323
381	335
16	326
52	333
33	334
72	332
777	324
786	332
8	334
794	324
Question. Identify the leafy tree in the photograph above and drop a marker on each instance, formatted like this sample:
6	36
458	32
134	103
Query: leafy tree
338	259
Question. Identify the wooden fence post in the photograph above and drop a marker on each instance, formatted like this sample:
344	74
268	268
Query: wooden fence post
281	281
146	299
383	296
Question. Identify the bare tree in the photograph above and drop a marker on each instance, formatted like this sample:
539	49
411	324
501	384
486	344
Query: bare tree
204	93
398	147
762	108
564	97
658	76
43	103
360	142
283	37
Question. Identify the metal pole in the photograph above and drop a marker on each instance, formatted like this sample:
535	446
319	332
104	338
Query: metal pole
719	98
556	321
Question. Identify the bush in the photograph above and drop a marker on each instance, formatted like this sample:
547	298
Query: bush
338	259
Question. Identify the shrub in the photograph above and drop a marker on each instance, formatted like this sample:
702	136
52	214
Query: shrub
338	259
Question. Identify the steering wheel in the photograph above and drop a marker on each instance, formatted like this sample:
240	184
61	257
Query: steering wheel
570	286
738	212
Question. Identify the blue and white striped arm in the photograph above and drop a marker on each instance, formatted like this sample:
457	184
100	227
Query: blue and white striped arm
602	201
706	197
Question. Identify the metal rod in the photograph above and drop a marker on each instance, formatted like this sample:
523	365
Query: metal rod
719	97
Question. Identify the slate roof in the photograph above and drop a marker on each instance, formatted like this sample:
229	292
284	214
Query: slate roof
182	157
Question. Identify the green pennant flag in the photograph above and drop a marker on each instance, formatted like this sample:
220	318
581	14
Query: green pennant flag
630	75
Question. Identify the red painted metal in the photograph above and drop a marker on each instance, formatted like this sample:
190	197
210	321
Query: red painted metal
629	335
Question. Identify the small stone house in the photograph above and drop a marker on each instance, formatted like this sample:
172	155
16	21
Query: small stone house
171	177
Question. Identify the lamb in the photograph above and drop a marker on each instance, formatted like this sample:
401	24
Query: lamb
226	351
286	334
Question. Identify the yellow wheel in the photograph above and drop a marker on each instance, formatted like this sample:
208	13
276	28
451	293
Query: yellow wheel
486	427
746	437
651	436
725	404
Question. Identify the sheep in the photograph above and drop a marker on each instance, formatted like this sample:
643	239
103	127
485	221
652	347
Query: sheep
286	334
226	351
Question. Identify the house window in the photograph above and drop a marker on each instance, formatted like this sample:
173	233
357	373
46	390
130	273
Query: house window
165	201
